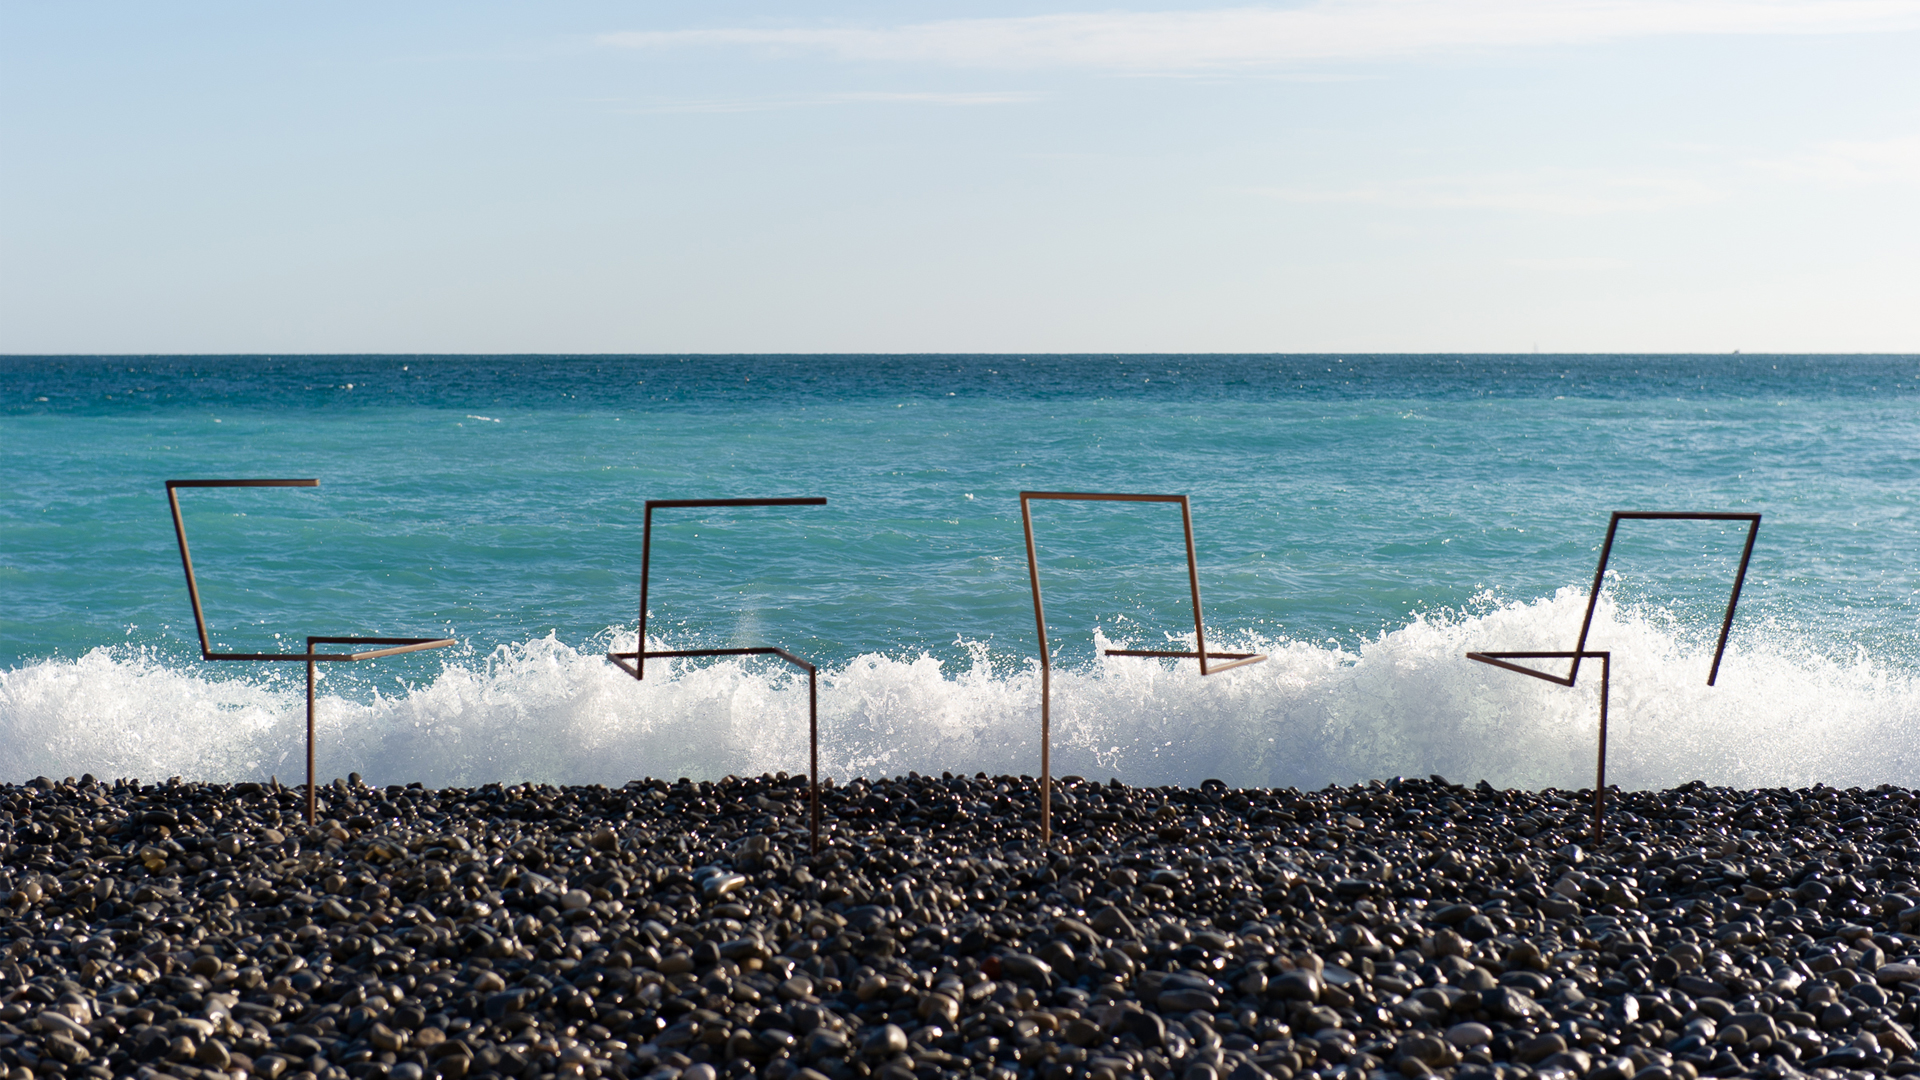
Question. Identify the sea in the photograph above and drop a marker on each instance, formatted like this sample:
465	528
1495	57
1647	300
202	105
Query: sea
1363	521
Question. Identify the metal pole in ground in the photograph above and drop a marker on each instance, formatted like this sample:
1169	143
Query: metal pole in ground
1600	769
310	795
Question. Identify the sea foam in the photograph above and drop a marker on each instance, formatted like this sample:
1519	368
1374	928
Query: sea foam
1405	703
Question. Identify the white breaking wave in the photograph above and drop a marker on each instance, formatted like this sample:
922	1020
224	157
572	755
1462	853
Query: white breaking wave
1406	703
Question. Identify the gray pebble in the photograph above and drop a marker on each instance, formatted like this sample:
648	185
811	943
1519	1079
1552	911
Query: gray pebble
668	929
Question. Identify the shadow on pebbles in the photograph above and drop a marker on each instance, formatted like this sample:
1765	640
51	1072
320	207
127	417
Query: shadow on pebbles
1410	928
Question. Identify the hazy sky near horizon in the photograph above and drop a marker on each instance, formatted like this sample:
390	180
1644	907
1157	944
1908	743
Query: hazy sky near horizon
732	176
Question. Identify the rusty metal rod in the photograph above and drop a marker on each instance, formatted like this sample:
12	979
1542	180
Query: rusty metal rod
640	654
312	799
1240	659
813	708
186	560
646	546
1501	660
1046	678
1580	650
1606	551
1600	764
1199	651
394	645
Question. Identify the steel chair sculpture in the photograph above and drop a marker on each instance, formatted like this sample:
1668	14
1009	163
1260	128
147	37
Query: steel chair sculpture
390	646
641	654
1580	651
1199	651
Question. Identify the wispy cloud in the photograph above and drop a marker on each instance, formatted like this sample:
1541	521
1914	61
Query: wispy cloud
1854	164
1571	264
1319	30
738	105
1588	193
1548	191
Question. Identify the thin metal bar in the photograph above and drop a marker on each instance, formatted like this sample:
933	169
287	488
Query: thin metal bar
1046	678
1739	580
1600	766
1099	496
311	799
1186	654
639	670
1563	680
186	564
272	657
640	653
1606	551
1580	651
1500	660
406	645
758	650
244	483
684	504
1593	594
813	754
396	645
1193	583
402	645
813	712
186	560
1199	651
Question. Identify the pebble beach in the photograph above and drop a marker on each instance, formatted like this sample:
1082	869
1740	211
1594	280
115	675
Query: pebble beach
684	931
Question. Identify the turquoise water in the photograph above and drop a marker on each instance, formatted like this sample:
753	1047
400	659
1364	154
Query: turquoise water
1364	519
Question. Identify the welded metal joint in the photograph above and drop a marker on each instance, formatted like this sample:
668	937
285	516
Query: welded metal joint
640	654
1199	651
388	646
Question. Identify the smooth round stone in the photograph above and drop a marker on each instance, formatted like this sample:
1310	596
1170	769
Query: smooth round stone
933	899
886	1042
1895	973
1468	1035
1021	967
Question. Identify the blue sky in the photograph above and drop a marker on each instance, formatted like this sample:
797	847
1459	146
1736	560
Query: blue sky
1333	175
